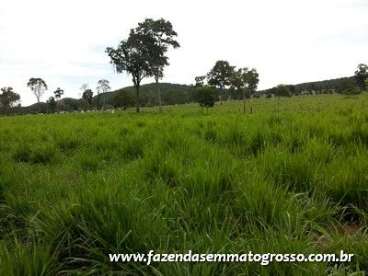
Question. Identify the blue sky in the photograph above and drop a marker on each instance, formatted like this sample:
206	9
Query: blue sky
288	41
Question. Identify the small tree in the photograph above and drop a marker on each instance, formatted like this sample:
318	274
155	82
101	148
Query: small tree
58	93
280	91
103	86
87	96
252	80
38	86
206	97
8	98
51	105
361	76
238	83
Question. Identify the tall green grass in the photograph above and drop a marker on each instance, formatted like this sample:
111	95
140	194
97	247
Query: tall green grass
75	187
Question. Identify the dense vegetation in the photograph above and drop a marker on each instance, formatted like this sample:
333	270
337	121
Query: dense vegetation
290	177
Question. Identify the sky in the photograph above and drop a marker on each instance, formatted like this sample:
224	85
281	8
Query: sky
287	41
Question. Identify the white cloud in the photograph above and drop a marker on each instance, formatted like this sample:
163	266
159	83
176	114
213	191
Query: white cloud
288	41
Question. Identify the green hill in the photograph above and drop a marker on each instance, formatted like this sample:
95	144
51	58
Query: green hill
170	94
339	85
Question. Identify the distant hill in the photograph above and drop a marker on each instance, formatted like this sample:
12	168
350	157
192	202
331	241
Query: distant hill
338	85
170	94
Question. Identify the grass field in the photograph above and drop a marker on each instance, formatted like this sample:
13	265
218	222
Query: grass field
290	177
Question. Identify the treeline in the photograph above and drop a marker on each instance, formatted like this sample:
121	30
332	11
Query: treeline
348	85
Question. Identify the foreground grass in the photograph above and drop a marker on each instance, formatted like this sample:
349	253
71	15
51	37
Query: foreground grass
293	178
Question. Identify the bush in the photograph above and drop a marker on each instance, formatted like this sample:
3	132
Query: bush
206	97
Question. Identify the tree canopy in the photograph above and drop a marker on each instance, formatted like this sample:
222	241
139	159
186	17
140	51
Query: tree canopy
87	96
8	97
103	86
361	76
164	37
58	93
206	96
138	56
38	86
221	74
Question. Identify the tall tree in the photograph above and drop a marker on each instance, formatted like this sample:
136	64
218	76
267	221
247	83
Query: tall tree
38	87
220	75
164	37
103	86
245	82
51	105
58	94
136	55
252	80
87	96
239	83
8	97
361	76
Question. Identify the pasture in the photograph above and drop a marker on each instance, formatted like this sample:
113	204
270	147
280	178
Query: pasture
289	177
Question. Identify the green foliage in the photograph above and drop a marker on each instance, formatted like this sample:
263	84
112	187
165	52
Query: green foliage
348	87
123	99
282	91
58	93
244	83
164	37
87	96
319	87
38	86
52	104
143	53
206	96
8	97
221	74
361	76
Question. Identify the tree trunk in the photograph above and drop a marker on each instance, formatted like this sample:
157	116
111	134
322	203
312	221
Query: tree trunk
137	98
159	95
243	101
222	92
